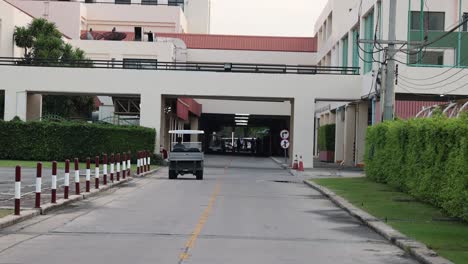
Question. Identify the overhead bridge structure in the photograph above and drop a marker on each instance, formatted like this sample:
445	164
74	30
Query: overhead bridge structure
23	80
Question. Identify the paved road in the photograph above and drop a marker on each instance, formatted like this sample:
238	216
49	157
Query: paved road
246	211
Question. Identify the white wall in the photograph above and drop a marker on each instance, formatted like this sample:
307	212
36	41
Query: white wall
66	15
245	107
245	56
72	17
106	50
198	15
125	17
151	85
457	84
9	18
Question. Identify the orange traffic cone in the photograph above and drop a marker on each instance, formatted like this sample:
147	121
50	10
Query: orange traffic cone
301	164
295	165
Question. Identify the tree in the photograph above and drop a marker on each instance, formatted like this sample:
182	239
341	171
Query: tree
43	44
42	40
24	39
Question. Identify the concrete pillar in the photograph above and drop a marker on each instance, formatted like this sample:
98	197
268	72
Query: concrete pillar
349	135
339	135
34	107
303	132
15	104
194	126
361	129
332	118
164	130
150	115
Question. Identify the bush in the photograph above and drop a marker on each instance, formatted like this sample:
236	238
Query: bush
426	158
48	141
326	137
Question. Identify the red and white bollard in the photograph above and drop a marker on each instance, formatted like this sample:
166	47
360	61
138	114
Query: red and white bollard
104	169
53	197
118	167
88	174
112	167
129	158
17	190
143	154
66	179
138	163
38	185
124	165
96	173
77	177
148	158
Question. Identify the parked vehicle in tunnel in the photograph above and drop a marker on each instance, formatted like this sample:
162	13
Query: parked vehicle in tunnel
186	157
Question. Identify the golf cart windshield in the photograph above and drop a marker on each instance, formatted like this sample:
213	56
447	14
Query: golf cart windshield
186	146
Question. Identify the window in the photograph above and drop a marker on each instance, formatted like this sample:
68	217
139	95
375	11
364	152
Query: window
180	3
368	47
345	52
355	48
429	58
140	64
149	2
465	26
432	21
123	2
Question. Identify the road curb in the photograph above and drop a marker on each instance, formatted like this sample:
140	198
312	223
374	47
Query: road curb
10	220
416	249
285	167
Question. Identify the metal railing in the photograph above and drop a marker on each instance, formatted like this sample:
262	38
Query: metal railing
120	2
145	64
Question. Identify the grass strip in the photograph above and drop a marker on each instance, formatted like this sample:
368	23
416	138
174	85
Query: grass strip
417	220
5	212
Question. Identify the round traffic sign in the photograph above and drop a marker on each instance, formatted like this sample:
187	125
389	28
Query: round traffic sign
285	143
284	134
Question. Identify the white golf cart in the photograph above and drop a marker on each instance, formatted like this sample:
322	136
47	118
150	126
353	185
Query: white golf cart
186	157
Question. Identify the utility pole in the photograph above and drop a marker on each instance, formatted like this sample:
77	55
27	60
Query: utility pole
389	92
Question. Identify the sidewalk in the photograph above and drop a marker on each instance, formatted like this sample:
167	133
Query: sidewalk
323	170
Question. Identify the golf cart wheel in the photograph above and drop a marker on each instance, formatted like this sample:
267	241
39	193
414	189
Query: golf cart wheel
172	175
199	175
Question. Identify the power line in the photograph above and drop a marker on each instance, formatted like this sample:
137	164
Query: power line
437	87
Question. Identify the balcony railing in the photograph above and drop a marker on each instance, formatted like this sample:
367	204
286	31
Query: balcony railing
121	2
145	64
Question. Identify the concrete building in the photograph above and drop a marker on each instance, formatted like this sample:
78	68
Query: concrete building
162	68
198	74
425	78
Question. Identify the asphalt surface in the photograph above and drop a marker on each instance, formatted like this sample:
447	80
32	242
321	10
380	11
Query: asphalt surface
247	210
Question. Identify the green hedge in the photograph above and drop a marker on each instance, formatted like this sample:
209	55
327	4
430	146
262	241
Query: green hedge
427	158
326	137
48	141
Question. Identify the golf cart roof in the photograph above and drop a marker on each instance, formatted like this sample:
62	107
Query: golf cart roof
187	132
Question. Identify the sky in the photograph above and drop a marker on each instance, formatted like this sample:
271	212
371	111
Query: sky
265	17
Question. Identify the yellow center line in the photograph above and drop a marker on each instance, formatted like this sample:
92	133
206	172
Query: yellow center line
201	222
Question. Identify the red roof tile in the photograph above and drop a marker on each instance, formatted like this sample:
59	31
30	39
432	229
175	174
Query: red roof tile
233	42
236	42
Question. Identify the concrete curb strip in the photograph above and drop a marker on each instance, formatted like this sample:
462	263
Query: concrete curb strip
416	249
14	219
285	167
10	220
